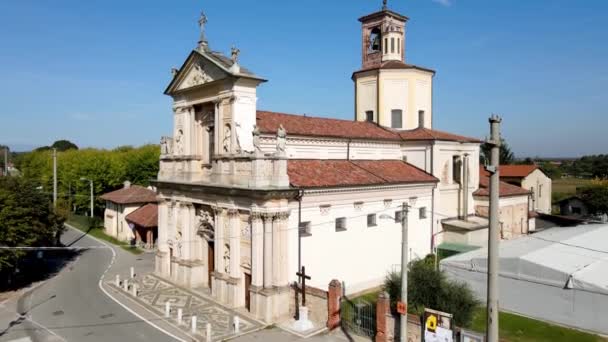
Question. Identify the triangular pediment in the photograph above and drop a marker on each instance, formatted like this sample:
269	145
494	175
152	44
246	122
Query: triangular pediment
196	71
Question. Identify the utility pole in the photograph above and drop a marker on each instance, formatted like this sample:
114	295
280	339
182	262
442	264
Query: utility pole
92	194
493	238
55	177
6	160
403	324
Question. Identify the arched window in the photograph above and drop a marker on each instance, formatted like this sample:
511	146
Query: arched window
375	40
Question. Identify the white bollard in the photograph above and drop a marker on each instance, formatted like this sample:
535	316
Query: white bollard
208	332
236	323
125	285
134	290
179	316
118	280
132	272
194	324
167	309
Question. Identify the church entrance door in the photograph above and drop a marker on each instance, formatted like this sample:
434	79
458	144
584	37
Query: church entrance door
247	293
210	263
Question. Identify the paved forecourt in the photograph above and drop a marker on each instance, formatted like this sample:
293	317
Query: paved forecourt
154	292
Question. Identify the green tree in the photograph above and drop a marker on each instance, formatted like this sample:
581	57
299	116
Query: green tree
26	219
596	198
64	145
430	288
506	155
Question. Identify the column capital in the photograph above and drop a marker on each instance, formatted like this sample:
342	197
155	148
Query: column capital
257	216
232	212
186	204
217	209
282	215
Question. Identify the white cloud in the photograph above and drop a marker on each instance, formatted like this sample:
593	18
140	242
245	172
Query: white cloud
444	3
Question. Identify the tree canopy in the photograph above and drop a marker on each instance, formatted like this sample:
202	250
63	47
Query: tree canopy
506	155
108	169
64	145
26	219
596	198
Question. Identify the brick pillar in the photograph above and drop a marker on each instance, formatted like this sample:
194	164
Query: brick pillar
333	304
383	309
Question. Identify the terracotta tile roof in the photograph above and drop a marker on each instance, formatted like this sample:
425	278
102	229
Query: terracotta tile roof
268	122
505	189
516	170
432	134
337	173
132	194
146	216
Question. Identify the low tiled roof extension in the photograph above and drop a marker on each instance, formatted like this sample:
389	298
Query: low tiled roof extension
268	122
307	173
131	195
146	216
394	65
506	189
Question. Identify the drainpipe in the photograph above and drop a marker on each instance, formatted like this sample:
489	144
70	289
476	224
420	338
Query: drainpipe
465	181
299	198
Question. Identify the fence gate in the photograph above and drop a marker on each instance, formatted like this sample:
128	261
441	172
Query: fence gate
358	317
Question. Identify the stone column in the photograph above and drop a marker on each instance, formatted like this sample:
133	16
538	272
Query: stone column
186	219
188	130
234	240
257	249
279	249
218	288
383	309
162	255
268	264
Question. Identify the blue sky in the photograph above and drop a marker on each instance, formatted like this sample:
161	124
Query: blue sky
94	71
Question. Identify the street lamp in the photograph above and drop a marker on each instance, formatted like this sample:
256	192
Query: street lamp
91	184
404	211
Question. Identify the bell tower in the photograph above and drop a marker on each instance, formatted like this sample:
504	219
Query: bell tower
388	91
383	37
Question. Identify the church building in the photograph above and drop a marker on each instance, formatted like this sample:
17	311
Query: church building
247	197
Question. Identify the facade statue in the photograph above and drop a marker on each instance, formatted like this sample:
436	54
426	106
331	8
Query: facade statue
257	146
281	140
179	142
227	138
166	146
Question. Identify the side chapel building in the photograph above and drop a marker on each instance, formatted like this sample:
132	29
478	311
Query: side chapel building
247	196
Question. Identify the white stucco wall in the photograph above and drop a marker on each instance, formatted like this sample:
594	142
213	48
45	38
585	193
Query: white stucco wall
361	256
409	90
542	185
115	223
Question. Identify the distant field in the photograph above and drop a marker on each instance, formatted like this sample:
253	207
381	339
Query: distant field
565	187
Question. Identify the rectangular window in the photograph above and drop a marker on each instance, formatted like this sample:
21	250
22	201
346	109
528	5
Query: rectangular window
371	220
369	116
305	229
385	45
422	213
456	169
398	216
392	45
396	118
398	45
341	224
211	143
540	191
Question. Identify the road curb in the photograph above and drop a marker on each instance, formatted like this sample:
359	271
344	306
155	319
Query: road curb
101	287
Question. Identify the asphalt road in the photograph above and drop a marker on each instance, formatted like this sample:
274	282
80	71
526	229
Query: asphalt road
72	307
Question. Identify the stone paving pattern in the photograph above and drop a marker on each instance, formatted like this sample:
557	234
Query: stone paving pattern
153	292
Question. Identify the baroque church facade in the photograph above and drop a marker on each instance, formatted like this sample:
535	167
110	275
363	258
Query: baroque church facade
247	197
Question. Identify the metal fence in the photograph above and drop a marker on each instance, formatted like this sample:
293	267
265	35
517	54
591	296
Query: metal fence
358	317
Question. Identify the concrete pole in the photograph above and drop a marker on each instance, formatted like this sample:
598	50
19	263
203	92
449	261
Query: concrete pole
180	314
167	309
465	182
404	252
493	236
118	280
208	332
6	161
193	324
132	272
236	322
91	183
55	177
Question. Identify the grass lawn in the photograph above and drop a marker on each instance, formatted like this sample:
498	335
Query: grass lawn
83	223
565	187
522	329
